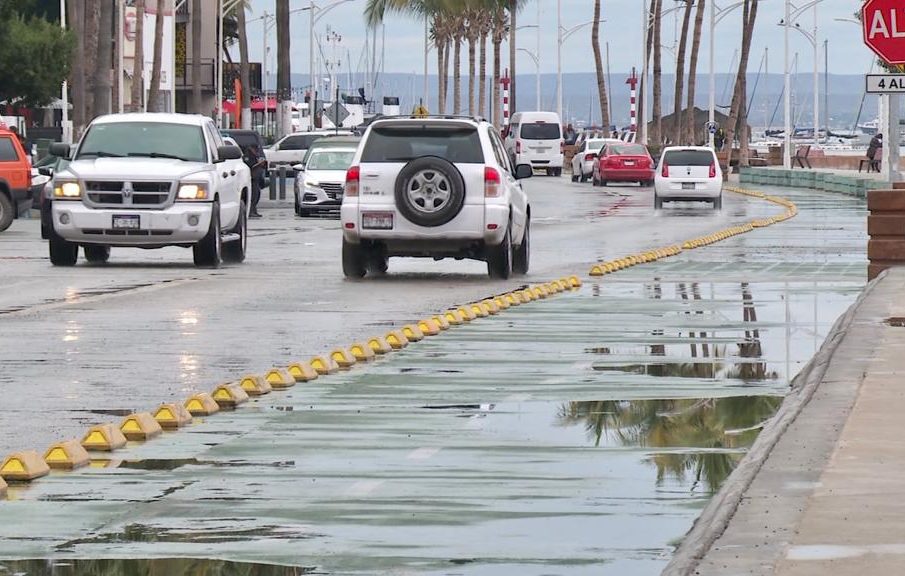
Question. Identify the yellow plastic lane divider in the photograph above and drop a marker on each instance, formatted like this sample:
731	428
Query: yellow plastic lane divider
302	371
343	358
202	404
24	467
255	385
229	395
140	427
171	416
103	438
380	345
279	378
604	268
362	352
67	455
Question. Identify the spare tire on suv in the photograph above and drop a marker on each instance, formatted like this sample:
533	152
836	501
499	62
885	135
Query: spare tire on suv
430	191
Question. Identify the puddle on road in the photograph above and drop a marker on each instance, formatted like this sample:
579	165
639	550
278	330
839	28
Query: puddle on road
147	567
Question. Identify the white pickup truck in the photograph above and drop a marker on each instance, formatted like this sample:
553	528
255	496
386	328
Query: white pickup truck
290	149
148	181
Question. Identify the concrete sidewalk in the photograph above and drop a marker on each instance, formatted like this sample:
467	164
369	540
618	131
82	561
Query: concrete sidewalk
826	494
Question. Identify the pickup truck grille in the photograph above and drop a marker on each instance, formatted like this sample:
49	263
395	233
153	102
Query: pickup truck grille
116	193
333	191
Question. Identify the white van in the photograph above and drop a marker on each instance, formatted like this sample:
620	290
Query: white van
536	138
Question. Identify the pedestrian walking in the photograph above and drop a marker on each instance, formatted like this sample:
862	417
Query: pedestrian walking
255	163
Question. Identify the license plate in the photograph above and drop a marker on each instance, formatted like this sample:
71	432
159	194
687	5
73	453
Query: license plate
126	221
629	162
687	185
377	220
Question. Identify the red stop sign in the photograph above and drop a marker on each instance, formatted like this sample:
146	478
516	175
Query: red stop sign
884	29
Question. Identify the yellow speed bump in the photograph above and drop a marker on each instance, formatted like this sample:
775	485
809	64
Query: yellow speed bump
454	317
501	302
172	416
467	313
302	371
24	467
397	340
512	299
103	438
380	345
279	379
538	292
140	427
441	321
323	365
229	395
361	352
413	333
429	327
254	385
526	295
343	357
553	288
202	405
574	281
478	311
67	455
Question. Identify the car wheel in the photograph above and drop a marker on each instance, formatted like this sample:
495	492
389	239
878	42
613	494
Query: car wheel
234	251
594	180
521	258
7	212
718	203
584	177
63	252
658	202
602	182
574	177
207	251
97	254
499	258
353	260
429	191
377	261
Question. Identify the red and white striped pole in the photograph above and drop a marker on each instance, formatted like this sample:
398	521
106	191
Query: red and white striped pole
633	84
504	82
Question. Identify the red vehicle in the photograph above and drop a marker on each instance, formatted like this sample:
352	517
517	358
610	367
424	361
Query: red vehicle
624	162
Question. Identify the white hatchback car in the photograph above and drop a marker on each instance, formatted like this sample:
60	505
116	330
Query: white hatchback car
435	187
688	173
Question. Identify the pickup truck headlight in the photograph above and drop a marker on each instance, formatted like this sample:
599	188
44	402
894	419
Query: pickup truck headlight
67	191
312	184
192	192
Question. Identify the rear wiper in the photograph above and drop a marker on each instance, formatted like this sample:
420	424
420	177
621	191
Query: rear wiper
99	154
157	155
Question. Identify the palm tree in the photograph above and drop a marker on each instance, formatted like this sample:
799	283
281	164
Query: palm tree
284	82
656	133
497	34
457	22
676	134
138	88
197	21
91	29
244	74
103	86
693	72
485	22
738	110
472	35
157	63
598	63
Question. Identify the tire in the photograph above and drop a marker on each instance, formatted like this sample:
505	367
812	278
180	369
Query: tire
557	172
96	254
574	177
521	256
718	202
207	251
584	177
377	261
595	181
429	191
62	252
658	202
602	183
353	260
499	258
234	252
7	212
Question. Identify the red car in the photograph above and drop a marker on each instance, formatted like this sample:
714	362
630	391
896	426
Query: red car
624	162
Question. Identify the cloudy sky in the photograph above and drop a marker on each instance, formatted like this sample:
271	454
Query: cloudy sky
622	30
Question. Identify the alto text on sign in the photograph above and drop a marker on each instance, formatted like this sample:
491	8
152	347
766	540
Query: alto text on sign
883	25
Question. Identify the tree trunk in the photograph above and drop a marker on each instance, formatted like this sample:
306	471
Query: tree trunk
641	117
197	24
495	98
676	134
513	8
284	82
749	15
441	97
91	31
598	63
457	76
656	132
76	17
244	73
693	73
103	85
471	74
138	88
154	104
482	77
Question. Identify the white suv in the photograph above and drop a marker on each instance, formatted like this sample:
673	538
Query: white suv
689	173
434	187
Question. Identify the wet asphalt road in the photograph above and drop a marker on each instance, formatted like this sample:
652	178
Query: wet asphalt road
78	345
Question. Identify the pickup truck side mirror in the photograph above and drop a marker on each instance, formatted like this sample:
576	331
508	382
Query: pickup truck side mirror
45	171
229	153
298	167
60	150
523	171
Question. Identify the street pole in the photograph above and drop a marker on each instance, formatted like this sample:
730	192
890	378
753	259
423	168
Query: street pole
313	100
538	56
264	75
787	136
67	133
220	64
645	101
712	116
558	59
120	18
816	83
426	50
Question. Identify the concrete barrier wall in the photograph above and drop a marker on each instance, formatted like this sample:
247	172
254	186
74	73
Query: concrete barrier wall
850	185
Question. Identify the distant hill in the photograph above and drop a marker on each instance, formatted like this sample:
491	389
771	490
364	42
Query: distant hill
580	98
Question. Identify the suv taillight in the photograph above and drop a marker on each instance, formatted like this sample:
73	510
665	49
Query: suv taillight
353	176
589	157
713	169
665	170
518	146
491	182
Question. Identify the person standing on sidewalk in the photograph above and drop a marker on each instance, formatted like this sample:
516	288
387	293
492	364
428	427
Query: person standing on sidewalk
255	163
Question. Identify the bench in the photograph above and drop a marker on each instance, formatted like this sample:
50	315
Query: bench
755	159
873	164
801	156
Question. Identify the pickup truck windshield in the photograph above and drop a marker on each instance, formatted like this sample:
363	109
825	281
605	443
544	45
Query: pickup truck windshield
145	139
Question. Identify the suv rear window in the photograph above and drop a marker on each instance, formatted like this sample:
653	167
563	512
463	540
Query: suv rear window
540	131
7	150
689	158
457	144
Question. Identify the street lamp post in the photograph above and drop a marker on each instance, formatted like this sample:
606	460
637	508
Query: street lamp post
537	68
224	7
562	34
64	95
791	15
716	15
